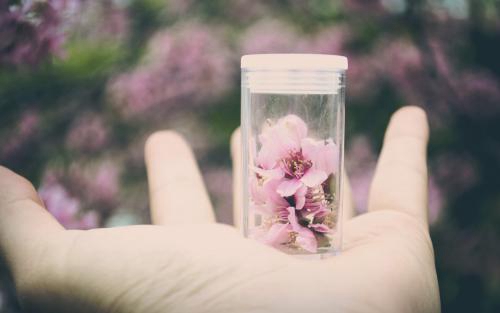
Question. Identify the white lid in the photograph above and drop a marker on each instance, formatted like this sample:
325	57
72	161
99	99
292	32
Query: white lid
321	62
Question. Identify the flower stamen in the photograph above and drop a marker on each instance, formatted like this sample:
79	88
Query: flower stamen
295	165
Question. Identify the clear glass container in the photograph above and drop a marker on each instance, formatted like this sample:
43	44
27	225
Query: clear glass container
292	136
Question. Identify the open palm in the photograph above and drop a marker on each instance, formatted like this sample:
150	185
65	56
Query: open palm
188	263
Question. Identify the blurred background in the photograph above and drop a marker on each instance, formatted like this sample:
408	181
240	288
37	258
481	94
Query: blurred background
83	83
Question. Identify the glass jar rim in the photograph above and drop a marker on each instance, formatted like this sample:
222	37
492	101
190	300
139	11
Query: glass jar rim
292	61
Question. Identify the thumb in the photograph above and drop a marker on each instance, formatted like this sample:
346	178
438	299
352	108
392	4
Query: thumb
28	233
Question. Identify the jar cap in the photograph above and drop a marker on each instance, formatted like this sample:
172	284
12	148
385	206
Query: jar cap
318	62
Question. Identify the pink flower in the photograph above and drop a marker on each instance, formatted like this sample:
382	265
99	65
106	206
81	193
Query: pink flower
305	237
31	31
314	202
220	188
88	133
300	161
65	208
360	164
330	40
277	234
185	66
290	188
271	36
266	199
287	222
97	184
277	209
25	132
436	200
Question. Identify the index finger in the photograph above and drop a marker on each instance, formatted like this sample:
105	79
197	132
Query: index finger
177	192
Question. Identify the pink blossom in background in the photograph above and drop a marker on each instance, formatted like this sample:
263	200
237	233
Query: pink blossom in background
179	7
136	92
457	173
331	40
441	60
439	90
188	65
134	154
436	201
479	94
117	22
405	66
93	186
28	124
246	10
360	154
271	36
219	182
104	186
89	133
362	75
103	20
401	60
406	57
475	94
65	208
25	130
361	182
194	131
31	31
97	184
360	162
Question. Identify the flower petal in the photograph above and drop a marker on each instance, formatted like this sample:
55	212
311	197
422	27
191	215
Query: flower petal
288	187
330	158
307	241
267	156
262	209
320	228
279	139
313	177
272	173
324	155
257	193
323	212
277	234
273	199
292	218
295	127
305	237
309	148
300	198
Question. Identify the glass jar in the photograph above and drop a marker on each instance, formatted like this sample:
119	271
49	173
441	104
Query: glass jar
292	111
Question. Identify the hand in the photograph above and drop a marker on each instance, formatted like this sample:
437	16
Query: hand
188	263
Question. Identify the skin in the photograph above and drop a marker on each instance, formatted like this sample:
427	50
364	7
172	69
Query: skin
186	262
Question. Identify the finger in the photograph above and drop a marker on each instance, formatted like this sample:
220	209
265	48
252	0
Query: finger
176	190
400	180
26	228
237	178
347	201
